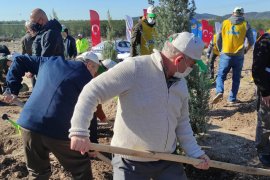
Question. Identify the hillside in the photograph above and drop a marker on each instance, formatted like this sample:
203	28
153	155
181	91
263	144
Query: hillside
249	15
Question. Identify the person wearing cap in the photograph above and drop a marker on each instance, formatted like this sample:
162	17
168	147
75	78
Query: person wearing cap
152	113
261	76
45	118
82	44
69	44
212	53
48	41
143	34
230	42
27	40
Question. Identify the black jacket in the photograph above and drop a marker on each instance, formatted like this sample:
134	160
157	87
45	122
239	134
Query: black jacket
70	47
27	42
261	64
49	41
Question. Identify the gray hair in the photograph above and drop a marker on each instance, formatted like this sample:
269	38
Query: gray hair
169	50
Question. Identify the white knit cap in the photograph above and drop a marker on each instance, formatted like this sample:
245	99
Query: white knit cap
188	44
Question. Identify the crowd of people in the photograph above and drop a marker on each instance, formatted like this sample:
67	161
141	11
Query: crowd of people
70	83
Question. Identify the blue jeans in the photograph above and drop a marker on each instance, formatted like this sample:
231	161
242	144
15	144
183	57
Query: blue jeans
225	65
124	169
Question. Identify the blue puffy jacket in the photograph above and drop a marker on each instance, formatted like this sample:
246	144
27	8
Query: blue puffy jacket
50	107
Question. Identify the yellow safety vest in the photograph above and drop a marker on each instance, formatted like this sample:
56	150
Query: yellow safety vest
215	49
147	39
82	45
233	36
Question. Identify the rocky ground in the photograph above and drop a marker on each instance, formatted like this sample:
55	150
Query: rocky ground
230	137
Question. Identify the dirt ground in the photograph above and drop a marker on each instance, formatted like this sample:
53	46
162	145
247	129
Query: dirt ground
230	137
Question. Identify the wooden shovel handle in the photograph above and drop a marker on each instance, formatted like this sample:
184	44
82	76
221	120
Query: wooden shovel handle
181	159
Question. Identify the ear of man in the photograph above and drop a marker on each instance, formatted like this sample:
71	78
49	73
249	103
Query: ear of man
178	59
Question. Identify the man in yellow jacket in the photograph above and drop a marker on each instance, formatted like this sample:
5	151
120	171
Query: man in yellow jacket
82	44
143	35
230	43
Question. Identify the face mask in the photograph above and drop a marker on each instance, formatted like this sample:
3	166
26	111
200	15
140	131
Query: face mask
35	27
151	20
185	73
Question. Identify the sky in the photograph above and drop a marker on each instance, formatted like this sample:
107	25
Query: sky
79	9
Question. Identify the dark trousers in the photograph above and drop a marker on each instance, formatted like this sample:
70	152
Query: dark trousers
37	148
263	128
124	169
93	130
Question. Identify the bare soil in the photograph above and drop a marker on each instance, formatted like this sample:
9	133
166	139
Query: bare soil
230	137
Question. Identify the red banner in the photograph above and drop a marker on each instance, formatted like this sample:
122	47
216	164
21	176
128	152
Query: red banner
205	32
210	32
144	12
95	27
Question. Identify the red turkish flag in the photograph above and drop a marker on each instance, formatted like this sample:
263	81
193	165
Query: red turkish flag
205	32
210	33
95	27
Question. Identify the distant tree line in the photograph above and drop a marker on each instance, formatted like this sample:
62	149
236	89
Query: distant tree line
257	24
16	29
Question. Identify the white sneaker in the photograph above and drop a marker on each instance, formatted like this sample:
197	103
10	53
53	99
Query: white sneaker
217	98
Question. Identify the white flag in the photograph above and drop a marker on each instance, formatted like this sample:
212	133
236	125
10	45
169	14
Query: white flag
129	25
217	27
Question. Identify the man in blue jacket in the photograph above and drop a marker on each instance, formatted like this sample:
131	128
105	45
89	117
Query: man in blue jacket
46	116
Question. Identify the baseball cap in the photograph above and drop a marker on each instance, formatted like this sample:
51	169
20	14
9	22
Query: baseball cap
79	35
238	10
189	45
86	56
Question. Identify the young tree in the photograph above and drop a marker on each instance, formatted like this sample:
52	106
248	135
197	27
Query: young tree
54	15
173	16
109	51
